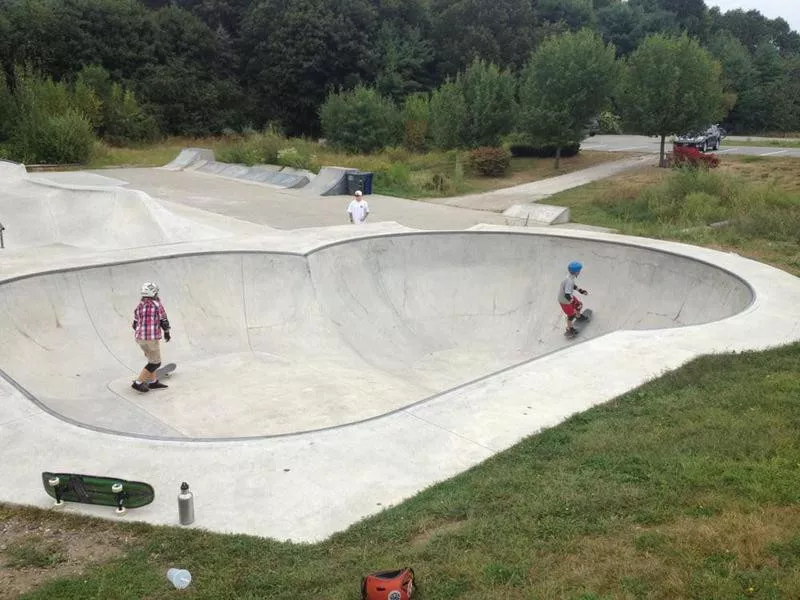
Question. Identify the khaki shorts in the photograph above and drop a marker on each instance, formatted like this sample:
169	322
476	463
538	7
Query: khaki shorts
151	349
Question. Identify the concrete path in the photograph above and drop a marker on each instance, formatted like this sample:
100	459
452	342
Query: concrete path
503	199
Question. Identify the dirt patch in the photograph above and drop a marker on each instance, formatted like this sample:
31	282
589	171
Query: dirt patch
32	553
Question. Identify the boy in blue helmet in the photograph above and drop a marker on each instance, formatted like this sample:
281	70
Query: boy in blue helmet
570	304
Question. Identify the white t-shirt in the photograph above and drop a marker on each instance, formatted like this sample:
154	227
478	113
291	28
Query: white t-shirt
359	210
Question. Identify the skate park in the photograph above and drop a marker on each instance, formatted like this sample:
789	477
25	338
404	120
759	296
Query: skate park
308	353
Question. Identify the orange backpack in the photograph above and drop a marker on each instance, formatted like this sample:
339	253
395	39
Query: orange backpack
388	585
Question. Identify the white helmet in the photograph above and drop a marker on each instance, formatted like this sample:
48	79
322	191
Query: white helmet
359	193
149	290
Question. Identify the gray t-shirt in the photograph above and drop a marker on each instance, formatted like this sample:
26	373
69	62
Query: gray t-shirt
567	287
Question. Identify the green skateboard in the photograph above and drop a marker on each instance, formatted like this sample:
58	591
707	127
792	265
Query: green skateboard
90	489
579	324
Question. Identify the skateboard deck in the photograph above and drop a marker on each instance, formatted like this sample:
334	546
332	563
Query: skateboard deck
165	370
579	325
91	489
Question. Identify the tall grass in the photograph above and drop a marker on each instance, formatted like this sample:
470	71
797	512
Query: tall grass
697	198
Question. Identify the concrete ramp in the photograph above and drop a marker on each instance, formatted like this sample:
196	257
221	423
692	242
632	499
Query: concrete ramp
189	156
346	333
330	181
41	211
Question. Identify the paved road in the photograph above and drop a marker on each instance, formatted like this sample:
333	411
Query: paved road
640	143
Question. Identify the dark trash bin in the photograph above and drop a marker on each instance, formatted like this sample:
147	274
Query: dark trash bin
359	181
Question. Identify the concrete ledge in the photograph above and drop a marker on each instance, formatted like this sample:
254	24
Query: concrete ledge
536	214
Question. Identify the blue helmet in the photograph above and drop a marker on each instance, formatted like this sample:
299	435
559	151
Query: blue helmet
575	267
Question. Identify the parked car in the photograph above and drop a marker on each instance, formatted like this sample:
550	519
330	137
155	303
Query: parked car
703	140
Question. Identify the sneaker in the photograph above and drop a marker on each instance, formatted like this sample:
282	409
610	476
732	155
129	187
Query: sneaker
157	385
582	318
140	387
572	332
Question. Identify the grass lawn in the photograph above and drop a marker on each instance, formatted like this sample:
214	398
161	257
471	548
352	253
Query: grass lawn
754	201
688	487
398	172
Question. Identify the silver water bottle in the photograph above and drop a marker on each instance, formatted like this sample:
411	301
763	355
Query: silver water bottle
185	505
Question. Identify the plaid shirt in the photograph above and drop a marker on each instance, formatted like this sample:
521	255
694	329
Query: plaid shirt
148	317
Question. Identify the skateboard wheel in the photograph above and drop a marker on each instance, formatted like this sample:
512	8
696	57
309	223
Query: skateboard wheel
53	481
116	488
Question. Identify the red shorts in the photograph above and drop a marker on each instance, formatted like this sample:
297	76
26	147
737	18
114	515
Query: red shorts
572	308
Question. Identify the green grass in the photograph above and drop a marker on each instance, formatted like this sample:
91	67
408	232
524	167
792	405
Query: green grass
764	143
35	552
398	172
753	205
688	487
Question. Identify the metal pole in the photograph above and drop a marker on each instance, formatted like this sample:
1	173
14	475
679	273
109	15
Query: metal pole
2	243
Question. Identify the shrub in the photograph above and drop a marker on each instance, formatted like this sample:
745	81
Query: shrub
360	120
543	151
490	161
692	158
609	123
59	139
297	159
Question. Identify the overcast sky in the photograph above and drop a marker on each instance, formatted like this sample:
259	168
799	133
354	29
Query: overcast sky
789	10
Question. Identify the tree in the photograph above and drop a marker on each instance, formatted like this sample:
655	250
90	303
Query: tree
299	50
499	31
670	85
566	82
489	98
406	59
360	120
448	116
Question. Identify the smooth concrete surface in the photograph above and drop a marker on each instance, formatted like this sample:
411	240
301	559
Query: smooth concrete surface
349	332
290	209
307	486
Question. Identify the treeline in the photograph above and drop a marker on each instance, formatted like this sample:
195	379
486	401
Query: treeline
205	66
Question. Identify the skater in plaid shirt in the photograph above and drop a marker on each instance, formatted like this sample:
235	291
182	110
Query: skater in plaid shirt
149	319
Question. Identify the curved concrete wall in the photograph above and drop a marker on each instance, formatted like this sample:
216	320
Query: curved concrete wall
275	343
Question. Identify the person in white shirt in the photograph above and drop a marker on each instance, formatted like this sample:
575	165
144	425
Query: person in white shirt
358	209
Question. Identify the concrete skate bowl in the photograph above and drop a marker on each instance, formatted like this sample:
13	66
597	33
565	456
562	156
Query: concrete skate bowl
272	344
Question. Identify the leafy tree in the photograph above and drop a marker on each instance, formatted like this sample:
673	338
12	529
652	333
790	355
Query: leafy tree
670	85
575	14
299	50
406	62
360	120
489	97
626	24
738	71
499	31
187	87
567	81
448	116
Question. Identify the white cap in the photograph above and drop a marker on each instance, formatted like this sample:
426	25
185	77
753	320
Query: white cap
359	192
